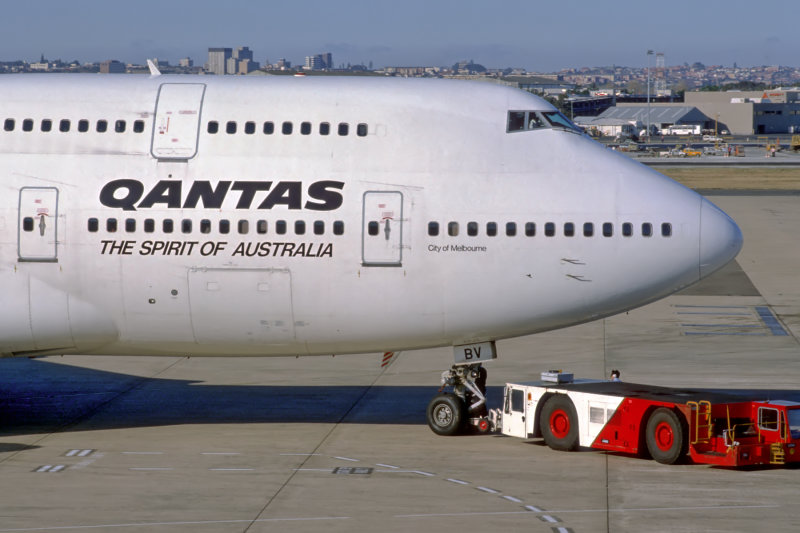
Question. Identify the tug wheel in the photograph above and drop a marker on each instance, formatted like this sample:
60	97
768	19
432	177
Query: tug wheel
559	423
665	437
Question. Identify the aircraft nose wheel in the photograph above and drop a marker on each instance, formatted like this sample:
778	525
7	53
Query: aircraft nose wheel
446	414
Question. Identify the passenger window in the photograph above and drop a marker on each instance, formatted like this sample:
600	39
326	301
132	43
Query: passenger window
324	128
261	226
8	125
338	228
243	227
305	128
83	125
319	227
647	229
63	126
452	229
361	130
130	225
516	121
186	225
491	229
511	229
230	127
588	229
627	229
433	229
119	126
569	229
27	124
101	126
205	226
213	127
47	124
27	224
344	128
472	229
530	229
549	229
608	229
149	225
666	229
372	228
138	126
93	225
286	128
280	227
167	226
269	128
299	227
111	225
249	128
224	226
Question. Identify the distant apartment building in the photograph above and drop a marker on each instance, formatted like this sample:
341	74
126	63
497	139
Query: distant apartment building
112	66
319	62
218	60
186	62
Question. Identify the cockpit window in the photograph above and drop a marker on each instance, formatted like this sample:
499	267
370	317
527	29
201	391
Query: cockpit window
534	120
557	120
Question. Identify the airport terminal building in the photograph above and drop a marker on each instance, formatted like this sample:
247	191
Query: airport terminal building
751	112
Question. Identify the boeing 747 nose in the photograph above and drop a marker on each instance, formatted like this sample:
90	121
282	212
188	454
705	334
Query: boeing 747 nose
720	238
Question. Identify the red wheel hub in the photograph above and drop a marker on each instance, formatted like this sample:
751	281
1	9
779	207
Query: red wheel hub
559	424
664	436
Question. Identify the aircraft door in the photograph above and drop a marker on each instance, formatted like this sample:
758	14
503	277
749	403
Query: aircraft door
514	415
176	127
382	229
38	224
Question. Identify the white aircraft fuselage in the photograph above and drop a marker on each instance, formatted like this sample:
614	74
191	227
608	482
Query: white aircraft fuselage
290	216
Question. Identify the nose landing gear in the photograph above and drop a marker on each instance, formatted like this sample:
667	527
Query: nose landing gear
451	413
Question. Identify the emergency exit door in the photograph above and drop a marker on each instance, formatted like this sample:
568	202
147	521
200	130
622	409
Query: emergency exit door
37	231
177	123
382	229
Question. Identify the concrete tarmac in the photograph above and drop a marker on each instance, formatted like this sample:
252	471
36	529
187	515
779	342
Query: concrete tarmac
339	444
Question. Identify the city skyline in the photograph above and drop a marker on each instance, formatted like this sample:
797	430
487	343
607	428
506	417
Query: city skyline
539	38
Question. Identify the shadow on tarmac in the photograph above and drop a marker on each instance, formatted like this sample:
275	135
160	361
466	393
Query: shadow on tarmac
38	396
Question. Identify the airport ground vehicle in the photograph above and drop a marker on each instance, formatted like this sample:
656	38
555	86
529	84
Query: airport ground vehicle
725	428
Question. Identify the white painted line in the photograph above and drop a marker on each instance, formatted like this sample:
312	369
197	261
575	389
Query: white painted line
72	453
311	469
142	453
534	508
490	491
346	459
548	518
301	454
58	468
44	468
528	511
231	469
423	473
193	523
386	466
451	480
220	453
84	453
512	499
561	530
144	469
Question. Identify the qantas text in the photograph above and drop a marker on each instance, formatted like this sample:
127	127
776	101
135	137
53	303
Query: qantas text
129	194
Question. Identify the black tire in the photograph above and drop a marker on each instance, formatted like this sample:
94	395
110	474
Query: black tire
665	436
559	423
446	414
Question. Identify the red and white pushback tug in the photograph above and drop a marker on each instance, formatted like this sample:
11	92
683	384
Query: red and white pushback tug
710	427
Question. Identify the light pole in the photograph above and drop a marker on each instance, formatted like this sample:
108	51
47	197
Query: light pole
649	53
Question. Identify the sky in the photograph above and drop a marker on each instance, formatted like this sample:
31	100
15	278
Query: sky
535	35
